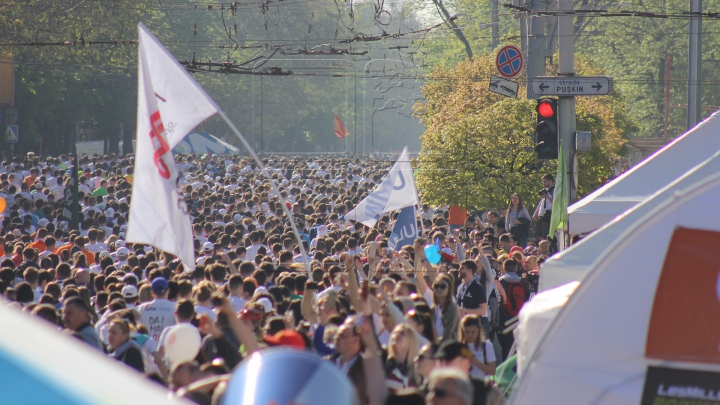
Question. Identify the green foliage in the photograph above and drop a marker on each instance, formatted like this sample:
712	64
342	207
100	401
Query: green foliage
477	149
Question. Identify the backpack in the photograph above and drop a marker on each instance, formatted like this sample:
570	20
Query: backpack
516	293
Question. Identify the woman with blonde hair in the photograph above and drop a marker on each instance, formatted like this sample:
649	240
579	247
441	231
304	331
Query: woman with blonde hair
473	335
402	349
145	294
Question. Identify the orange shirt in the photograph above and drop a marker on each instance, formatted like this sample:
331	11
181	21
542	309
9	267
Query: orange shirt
39	245
88	256
457	215
30	180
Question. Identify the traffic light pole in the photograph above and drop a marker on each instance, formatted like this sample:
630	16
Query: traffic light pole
535	61
566	105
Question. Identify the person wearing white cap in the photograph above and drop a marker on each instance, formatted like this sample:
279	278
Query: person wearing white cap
130	293
122	255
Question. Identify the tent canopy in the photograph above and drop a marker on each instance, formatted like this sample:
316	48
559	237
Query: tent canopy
572	264
41	365
634	186
201	142
618	324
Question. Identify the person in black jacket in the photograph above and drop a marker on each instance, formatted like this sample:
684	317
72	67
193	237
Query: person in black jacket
122	348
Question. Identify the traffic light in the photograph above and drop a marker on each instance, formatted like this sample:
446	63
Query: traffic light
546	130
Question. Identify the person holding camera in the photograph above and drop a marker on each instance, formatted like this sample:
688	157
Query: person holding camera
543	212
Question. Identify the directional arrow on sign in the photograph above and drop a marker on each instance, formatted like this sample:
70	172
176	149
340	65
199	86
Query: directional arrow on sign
571	85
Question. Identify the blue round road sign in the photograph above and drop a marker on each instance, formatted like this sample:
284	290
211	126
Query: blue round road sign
509	61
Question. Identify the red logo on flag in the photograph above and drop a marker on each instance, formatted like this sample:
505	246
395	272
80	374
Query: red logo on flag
160	144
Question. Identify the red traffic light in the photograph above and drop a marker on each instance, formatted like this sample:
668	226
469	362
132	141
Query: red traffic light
546	109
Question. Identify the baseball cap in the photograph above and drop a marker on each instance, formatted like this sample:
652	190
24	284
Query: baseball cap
286	337
159	285
452	349
129	291
123	252
237	218
120	243
43	223
104	254
207	246
266	304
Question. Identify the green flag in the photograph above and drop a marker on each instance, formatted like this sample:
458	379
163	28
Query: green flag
559	217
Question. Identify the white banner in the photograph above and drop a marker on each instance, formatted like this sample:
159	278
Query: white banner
169	101
396	191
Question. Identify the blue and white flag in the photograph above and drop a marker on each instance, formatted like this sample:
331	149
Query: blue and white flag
396	191
405	230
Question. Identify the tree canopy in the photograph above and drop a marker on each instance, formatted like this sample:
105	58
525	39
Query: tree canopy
478	146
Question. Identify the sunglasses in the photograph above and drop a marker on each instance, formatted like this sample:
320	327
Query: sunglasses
441	287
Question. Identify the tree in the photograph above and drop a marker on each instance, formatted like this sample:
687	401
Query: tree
477	149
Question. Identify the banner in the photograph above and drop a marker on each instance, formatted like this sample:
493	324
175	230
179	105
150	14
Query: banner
396	191
169	103
405	230
559	218
670	386
340	130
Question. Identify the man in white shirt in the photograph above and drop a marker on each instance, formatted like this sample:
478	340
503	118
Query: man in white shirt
159	313
238	296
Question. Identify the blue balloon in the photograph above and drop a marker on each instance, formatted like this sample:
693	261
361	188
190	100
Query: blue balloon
432	253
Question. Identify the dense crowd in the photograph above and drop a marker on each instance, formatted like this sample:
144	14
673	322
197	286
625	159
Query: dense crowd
402	329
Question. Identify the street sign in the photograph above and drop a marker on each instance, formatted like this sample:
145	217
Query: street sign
11	133
507	88
572	86
509	61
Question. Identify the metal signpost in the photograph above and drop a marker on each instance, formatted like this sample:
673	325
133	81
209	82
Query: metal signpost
572	85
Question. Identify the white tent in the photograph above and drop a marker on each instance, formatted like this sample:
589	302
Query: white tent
667	164
644	323
572	264
535	316
202	142
40	365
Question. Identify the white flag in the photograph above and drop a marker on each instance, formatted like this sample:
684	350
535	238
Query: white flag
168	100
396	191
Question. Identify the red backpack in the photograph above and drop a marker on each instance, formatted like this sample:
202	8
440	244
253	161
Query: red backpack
515	298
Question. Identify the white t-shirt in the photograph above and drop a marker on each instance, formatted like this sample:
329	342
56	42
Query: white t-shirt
157	315
200	310
237	303
478	352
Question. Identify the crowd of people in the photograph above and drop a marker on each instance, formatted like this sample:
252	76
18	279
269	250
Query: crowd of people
402	329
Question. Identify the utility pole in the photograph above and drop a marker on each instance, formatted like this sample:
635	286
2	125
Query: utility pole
694	64
535	65
566	104
495	21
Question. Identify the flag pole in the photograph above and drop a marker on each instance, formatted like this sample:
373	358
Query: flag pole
273	184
